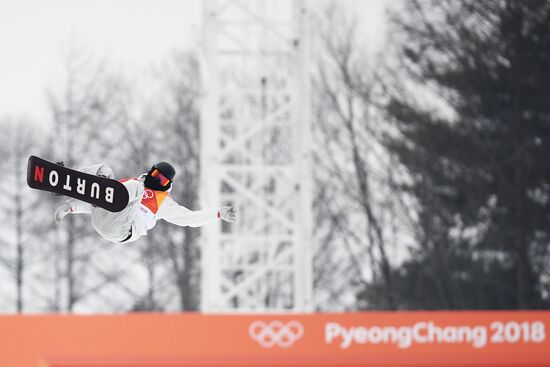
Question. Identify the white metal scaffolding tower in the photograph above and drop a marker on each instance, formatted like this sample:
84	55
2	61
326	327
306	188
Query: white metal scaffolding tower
256	156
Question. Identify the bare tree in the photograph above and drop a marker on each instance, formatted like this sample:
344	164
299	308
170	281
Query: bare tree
180	119
355	202
84	113
165	126
19	214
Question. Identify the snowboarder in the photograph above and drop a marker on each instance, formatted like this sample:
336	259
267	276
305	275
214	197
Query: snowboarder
150	201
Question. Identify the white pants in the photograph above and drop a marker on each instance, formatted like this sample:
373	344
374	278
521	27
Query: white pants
114	227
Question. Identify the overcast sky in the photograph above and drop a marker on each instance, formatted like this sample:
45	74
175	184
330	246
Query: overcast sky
130	34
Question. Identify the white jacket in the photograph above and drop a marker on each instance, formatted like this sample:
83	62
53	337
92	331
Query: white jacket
155	205
144	209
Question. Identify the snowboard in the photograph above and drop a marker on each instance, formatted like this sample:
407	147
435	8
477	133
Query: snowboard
102	192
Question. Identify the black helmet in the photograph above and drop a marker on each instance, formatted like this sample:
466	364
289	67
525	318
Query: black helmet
160	176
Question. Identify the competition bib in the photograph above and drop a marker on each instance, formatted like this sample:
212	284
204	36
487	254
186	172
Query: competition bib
150	204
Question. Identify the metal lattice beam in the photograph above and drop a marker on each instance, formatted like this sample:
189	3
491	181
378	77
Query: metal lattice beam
256	156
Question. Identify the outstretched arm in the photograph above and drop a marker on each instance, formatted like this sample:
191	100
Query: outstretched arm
177	214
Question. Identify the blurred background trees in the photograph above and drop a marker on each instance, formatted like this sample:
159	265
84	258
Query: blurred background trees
359	216
473	124
84	113
432	180
20	223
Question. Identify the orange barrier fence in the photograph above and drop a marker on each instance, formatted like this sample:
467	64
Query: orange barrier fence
351	339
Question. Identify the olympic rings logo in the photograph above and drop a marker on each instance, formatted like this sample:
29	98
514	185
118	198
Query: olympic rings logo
147	194
276	333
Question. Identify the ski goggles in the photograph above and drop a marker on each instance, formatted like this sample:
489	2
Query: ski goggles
164	181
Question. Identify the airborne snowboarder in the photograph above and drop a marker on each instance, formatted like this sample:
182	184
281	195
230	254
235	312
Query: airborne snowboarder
149	201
